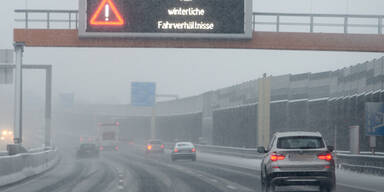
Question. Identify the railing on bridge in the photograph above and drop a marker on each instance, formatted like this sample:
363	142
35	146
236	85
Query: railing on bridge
277	22
326	23
48	19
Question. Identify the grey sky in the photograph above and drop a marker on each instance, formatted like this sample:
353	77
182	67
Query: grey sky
104	75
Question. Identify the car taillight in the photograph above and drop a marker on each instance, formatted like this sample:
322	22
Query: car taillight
193	150
162	146
277	157
176	150
326	157
101	148
149	147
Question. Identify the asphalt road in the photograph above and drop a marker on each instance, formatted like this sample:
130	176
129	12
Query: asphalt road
130	170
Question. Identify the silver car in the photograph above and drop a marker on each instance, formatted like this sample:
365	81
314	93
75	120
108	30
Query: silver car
297	158
183	150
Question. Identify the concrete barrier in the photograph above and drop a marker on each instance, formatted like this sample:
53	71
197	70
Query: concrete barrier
21	166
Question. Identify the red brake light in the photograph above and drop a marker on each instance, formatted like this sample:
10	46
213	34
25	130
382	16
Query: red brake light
276	157
149	147
162	146
176	150
193	150
326	157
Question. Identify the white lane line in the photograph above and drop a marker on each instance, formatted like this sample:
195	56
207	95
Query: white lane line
231	187
213	180
355	187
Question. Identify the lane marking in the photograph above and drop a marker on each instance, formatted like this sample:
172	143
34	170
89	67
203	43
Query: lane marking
231	187
355	187
213	180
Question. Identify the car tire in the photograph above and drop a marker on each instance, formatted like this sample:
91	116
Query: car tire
266	184
267	187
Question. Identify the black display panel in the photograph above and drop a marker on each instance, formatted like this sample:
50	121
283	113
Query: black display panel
165	16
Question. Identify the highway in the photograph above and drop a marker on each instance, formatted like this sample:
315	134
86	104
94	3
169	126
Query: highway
131	170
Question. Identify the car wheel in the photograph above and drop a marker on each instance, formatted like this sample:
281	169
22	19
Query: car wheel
267	187
266	184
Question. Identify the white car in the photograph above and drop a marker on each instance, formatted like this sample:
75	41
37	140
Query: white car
183	150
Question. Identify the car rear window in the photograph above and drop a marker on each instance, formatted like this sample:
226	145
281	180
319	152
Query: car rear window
300	142
183	144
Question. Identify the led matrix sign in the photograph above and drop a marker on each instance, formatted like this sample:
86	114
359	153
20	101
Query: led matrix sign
166	18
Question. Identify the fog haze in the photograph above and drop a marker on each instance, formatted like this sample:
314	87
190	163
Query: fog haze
104	75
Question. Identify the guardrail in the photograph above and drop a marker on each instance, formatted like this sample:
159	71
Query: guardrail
364	163
371	164
334	23
15	168
230	151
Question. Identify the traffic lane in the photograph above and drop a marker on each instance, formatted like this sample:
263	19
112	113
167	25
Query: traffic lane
155	173
247	177
69	175
64	169
99	177
251	178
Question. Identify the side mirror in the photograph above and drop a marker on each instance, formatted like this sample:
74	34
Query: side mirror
331	148
261	150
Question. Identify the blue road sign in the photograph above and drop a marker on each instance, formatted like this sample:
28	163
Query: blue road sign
374	118
143	94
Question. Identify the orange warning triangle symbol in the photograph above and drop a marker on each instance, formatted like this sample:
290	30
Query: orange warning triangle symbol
107	15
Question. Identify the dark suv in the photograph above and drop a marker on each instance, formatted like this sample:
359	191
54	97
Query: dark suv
87	150
297	158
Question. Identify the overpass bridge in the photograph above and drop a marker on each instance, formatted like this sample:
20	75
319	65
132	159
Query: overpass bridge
277	31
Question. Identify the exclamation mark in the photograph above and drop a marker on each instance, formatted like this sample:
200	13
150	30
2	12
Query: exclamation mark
106	12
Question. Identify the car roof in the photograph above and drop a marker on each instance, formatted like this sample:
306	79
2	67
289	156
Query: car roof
297	133
184	142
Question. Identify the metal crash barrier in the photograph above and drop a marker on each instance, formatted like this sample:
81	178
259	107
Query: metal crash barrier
370	164
250	153
363	163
